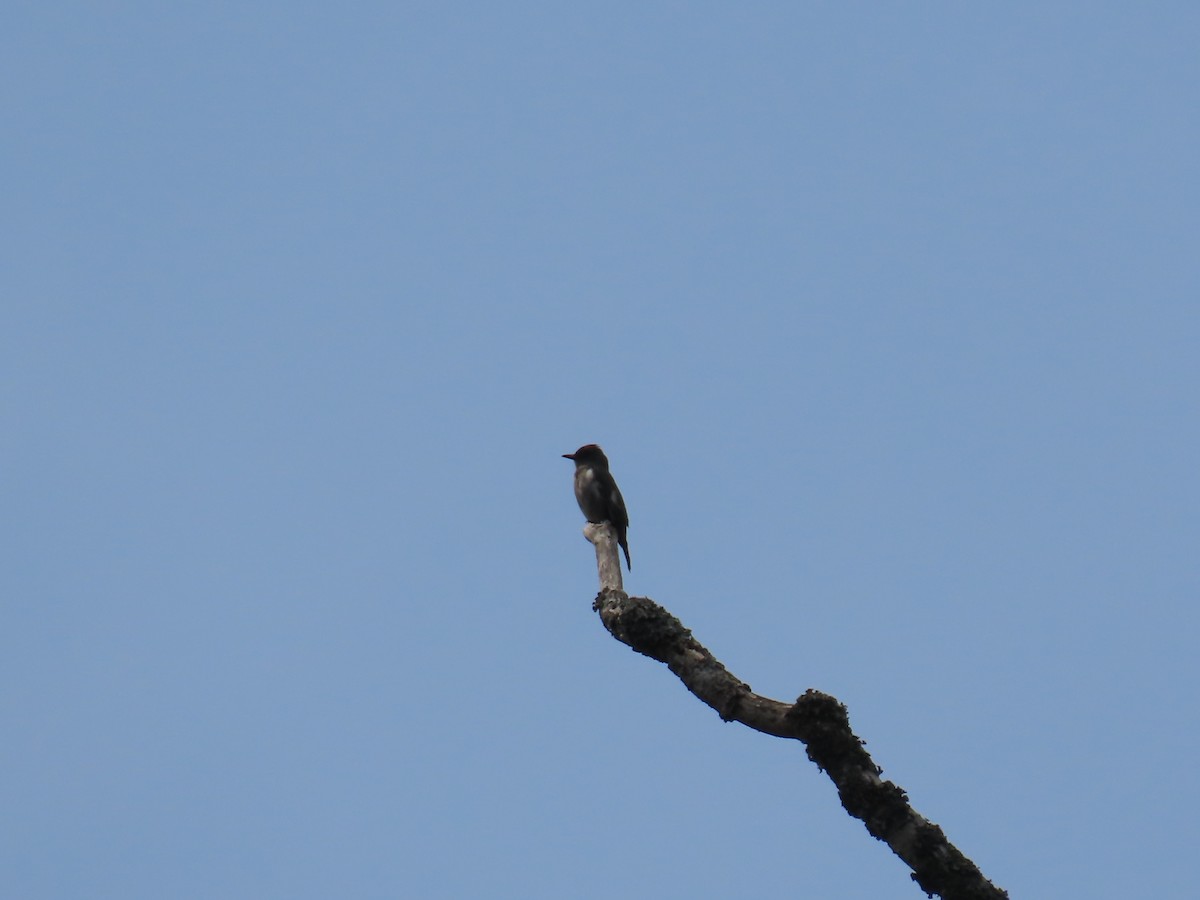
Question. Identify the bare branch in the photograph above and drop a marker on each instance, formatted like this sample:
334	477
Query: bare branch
816	719
604	537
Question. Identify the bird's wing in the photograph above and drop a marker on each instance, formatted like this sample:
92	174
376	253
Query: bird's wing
618	505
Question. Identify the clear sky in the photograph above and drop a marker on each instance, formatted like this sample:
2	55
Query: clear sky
887	314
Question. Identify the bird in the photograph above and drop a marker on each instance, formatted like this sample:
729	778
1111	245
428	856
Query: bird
597	493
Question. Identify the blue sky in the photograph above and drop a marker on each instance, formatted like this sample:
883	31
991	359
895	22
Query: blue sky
887	316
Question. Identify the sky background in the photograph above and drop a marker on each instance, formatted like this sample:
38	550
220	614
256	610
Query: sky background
887	315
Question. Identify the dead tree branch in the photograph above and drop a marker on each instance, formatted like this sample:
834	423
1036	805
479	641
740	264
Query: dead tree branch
818	720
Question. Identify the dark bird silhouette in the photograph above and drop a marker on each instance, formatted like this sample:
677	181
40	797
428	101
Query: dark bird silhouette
597	493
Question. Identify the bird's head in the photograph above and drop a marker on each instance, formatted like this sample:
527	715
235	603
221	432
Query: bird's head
588	455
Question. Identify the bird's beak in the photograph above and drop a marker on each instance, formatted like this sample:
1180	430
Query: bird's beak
568	456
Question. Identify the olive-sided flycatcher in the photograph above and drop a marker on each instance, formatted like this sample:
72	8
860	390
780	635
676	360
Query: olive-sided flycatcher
597	493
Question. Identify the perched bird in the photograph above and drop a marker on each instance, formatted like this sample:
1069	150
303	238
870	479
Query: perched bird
597	493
